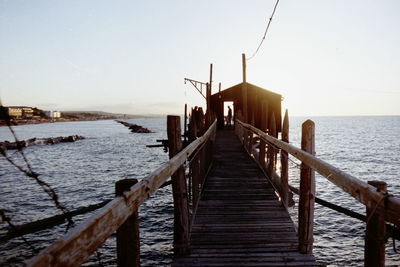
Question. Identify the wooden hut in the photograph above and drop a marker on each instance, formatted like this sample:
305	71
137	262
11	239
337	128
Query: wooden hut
248	100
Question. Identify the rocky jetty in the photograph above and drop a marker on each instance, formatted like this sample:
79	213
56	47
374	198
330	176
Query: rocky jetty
134	127
39	141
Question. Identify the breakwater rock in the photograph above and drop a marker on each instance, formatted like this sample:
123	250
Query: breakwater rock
134	127
39	141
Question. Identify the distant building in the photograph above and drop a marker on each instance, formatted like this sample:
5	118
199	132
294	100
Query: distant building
27	112
14	112
20	112
53	114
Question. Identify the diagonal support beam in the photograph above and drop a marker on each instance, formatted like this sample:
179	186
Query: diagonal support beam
198	85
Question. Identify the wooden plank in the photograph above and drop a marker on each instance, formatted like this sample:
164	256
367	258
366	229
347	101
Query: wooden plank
239	221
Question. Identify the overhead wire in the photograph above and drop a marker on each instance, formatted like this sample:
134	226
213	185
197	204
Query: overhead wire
266	31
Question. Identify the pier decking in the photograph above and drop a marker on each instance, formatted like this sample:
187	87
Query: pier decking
239	220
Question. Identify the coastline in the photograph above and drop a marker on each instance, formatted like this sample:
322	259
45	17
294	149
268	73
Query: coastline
85	117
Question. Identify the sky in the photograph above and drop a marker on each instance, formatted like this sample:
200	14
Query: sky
327	58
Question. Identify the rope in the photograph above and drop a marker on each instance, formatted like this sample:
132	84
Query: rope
266	30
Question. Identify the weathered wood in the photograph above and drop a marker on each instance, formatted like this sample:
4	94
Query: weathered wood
128	242
208	112
195	165
264	119
245	138
250	142
192	127
375	234
78	244
363	192
179	190
239	221
271	151
185	131
307	191
32	227
244	90
284	162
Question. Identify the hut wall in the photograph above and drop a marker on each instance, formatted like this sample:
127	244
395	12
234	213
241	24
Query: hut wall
255	97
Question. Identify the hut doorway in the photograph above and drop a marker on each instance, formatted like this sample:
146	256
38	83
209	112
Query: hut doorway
228	116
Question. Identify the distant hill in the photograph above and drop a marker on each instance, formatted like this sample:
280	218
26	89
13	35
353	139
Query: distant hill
101	115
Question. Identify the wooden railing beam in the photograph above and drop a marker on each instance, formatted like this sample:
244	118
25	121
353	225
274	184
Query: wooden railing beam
78	244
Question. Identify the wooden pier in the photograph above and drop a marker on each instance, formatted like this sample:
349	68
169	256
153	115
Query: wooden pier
239	220
231	194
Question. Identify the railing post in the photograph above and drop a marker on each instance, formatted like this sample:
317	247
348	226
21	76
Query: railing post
250	142
307	191
271	151
264	118
128	242
245	137
179	191
284	161
194	165
208	111
374	252
185	132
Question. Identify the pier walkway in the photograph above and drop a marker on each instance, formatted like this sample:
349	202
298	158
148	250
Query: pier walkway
239	220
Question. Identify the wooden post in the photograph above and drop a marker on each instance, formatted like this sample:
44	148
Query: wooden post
219	88
307	191
271	150
179	191
211	73
263	127
244	90
374	252
250	143
194	165
185	132
128	242
284	161
200	122
208	112
192	126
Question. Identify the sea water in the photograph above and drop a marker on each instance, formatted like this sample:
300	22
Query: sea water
84	173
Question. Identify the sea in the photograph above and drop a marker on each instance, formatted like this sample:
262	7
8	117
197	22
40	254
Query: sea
84	173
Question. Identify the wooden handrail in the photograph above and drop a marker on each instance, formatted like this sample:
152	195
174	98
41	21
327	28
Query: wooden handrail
78	244
363	192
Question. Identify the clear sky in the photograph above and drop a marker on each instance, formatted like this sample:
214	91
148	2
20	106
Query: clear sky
325	57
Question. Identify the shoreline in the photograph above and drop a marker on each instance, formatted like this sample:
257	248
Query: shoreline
43	121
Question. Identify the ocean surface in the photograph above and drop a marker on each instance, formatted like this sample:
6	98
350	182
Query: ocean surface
84	173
